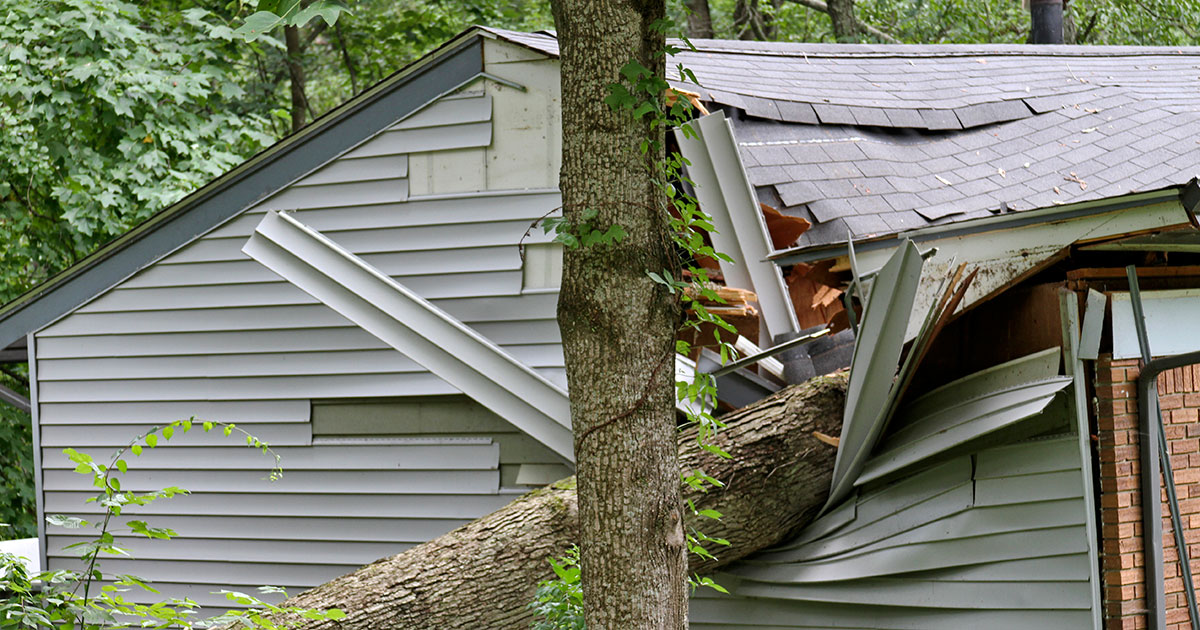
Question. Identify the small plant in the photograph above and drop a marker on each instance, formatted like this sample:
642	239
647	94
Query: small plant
559	601
65	600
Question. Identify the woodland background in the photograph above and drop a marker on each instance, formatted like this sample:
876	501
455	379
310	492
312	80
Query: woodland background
111	111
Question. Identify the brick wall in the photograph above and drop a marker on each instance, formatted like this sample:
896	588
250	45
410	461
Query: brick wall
1121	556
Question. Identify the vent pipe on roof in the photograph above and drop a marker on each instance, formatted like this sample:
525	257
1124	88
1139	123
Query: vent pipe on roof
1046	19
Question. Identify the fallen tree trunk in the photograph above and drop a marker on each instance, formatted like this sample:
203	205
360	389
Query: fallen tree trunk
484	574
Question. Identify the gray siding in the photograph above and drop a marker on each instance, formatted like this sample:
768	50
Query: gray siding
208	332
972	512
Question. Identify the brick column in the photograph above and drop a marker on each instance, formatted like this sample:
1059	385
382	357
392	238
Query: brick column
1122	563
1121	560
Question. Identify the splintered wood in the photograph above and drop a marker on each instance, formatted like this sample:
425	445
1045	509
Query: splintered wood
816	294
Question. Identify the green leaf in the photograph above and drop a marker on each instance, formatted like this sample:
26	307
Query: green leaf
152	440
122	466
257	25
136	448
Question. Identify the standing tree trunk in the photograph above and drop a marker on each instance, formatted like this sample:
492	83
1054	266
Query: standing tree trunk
841	15
699	19
291	38
618	326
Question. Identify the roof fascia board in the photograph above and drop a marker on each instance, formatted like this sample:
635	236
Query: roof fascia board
455	64
410	324
727	178
987	224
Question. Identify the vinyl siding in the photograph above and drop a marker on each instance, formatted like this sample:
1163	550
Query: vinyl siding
206	331
978	519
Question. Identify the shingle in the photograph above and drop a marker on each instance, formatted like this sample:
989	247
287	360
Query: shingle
881	150
802	172
871	204
807	153
760	107
836	188
870	116
905	118
772	155
833	114
843	151
906	184
765	175
829	209
940	119
867	225
905	220
903	201
937	211
797	193
877	168
940	195
840	170
988	113
792	111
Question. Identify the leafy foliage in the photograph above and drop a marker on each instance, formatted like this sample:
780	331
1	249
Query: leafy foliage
558	604
65	600
17	501
108	113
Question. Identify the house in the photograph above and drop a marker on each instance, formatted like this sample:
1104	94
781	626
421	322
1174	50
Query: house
972	199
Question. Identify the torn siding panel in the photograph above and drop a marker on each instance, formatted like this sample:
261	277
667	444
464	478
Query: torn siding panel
408	323
725	193
876	355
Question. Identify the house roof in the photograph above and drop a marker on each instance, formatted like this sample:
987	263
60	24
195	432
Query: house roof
876	140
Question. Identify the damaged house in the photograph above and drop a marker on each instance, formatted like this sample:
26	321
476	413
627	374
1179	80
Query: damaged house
368	297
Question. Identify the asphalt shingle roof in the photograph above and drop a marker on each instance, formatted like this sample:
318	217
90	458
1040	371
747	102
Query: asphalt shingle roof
879	139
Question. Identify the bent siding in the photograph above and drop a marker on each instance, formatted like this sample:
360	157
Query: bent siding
972	512
208	332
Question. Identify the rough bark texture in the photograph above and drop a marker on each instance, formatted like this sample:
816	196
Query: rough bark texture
618	326
699	19
483	575
843	22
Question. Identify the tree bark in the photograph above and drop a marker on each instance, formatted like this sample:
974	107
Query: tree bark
618	326
699	19
291	38
483	575
863	27
841	16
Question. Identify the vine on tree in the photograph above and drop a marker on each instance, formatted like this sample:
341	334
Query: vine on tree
644	95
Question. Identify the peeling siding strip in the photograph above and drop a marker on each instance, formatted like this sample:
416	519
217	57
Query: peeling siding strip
412	325
725	193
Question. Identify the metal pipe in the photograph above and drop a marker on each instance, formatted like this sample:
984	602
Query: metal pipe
1148	408
770	352
1046	21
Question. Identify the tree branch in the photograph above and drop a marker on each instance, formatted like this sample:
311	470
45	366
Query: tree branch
819	5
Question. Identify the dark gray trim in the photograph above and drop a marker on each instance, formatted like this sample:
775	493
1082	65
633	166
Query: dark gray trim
333	134
1029	217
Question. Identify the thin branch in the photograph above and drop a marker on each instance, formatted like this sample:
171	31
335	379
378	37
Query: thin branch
337	27
819	5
